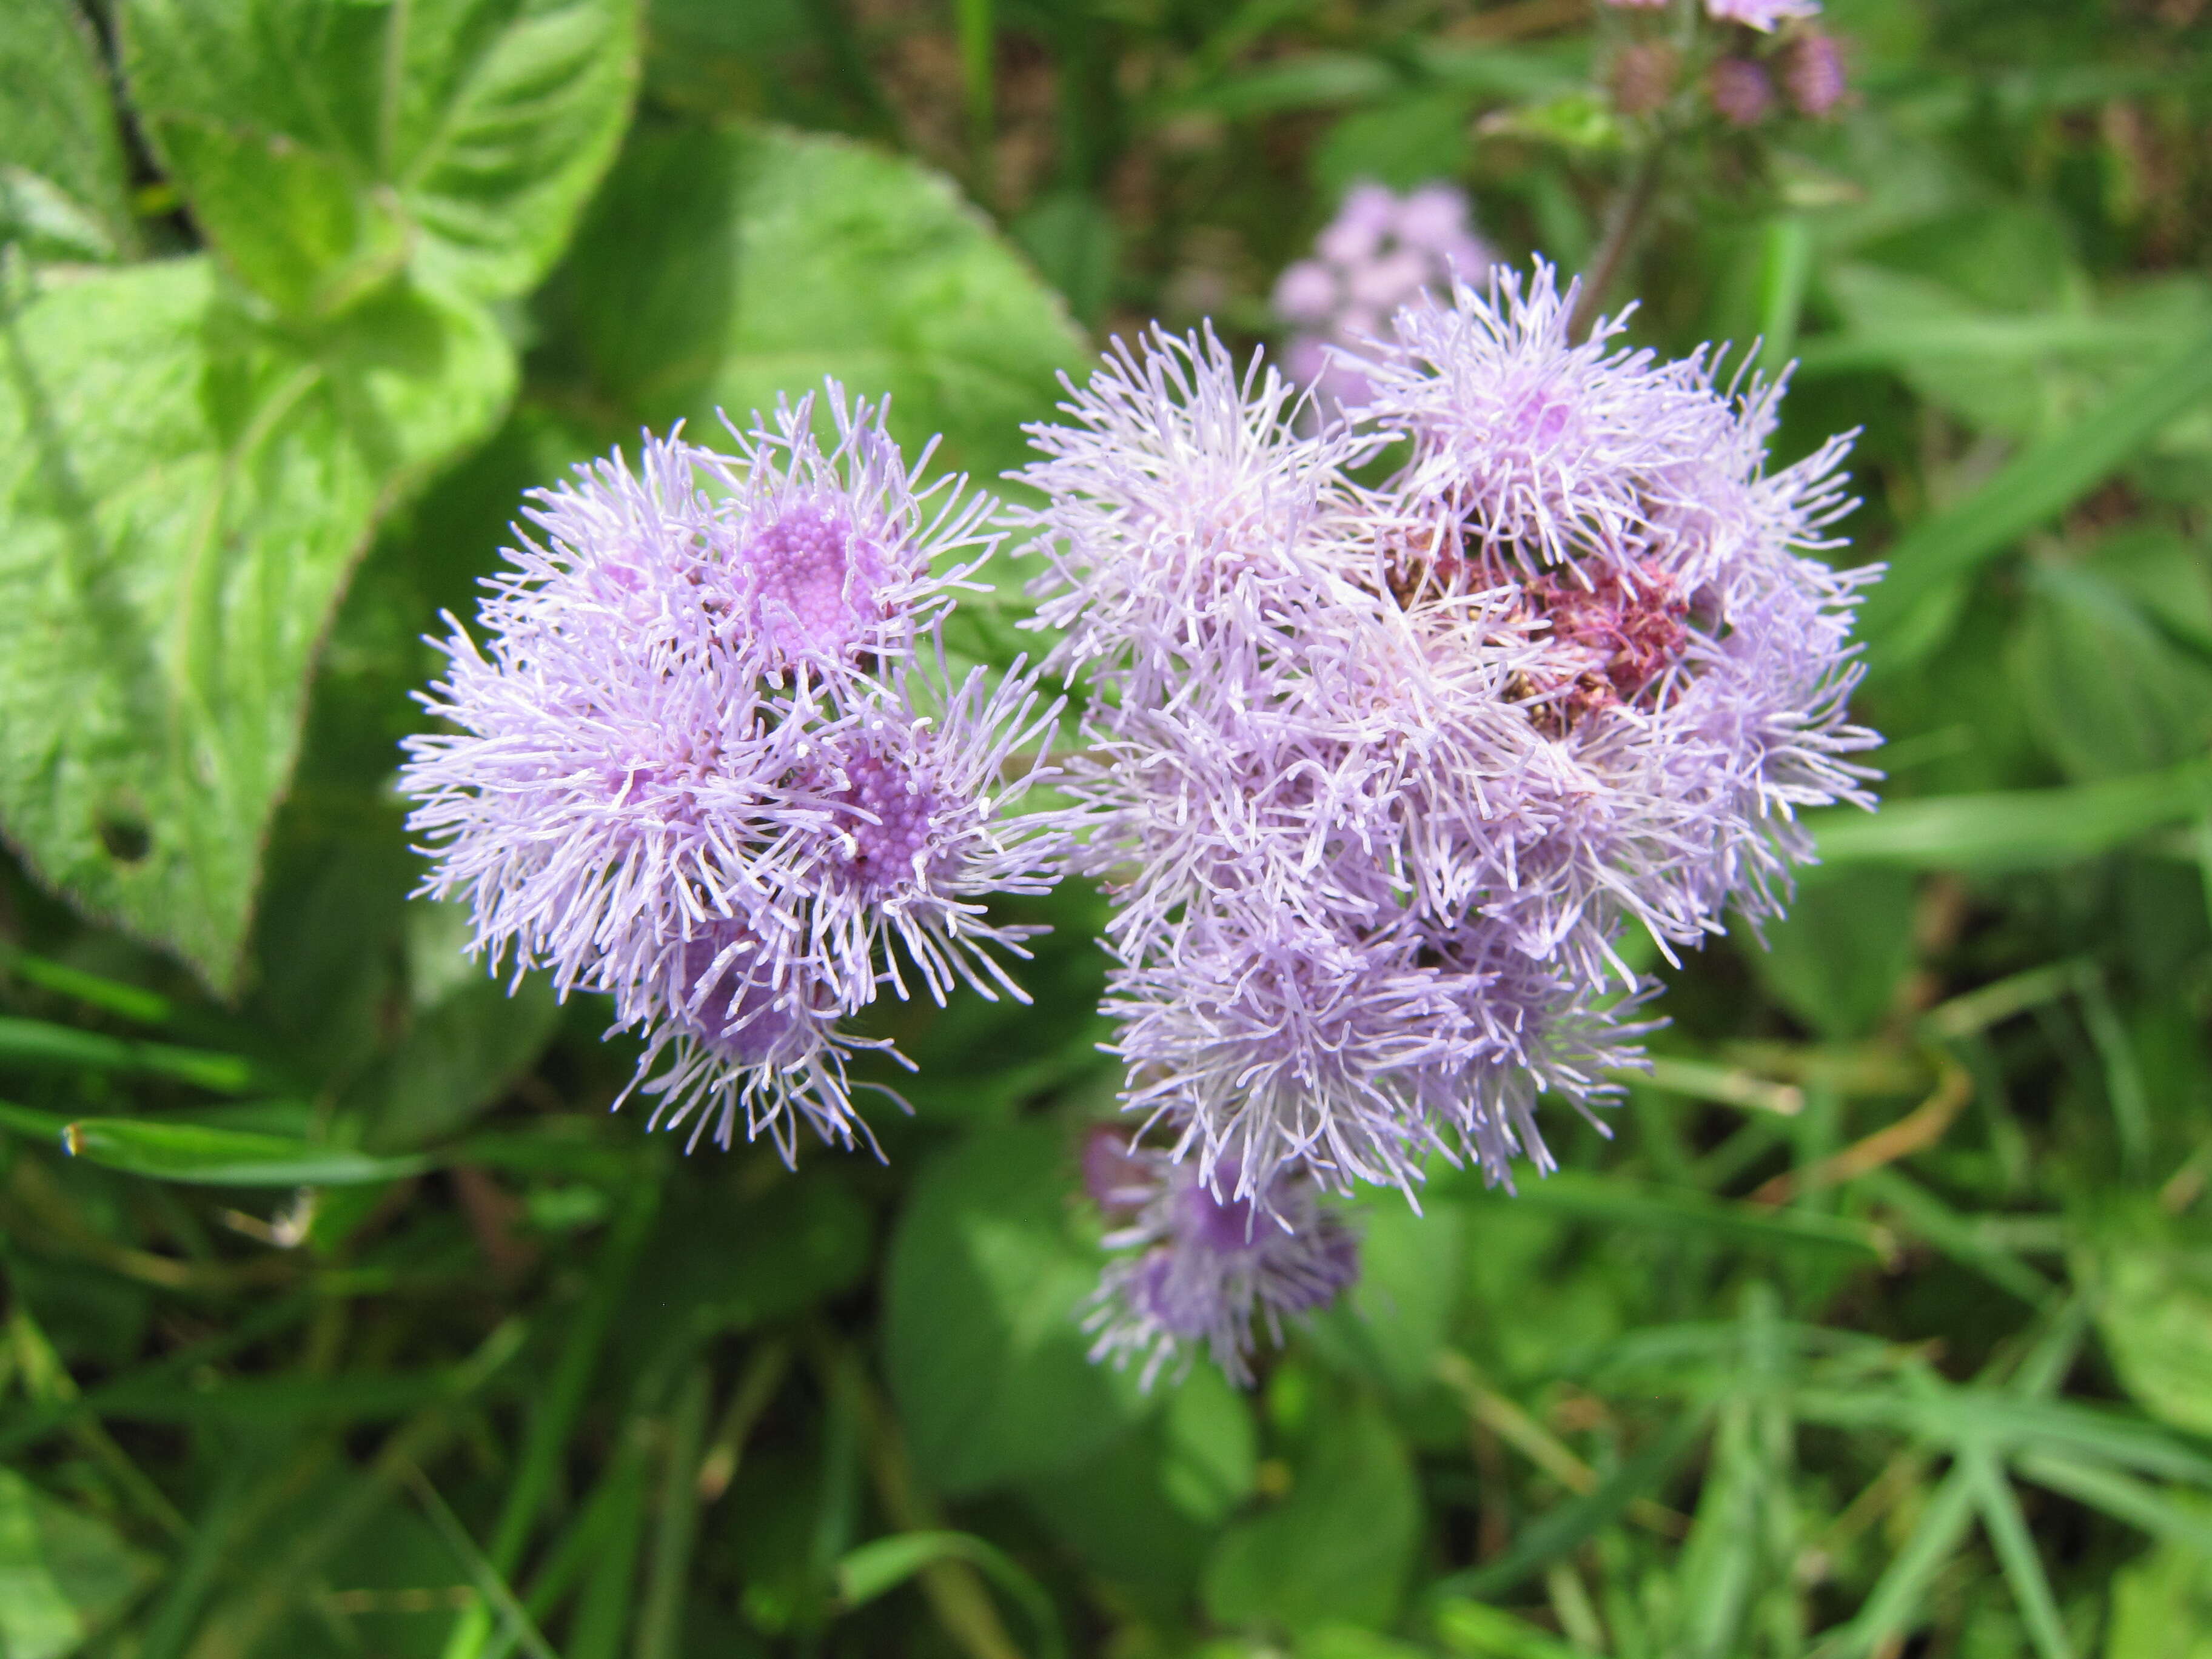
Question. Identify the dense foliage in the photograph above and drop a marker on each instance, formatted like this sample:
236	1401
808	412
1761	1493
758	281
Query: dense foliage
341	1317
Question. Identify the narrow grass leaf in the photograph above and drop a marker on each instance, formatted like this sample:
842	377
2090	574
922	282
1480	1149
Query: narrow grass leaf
2014	829
36	1044
2015	1550
2040	481
1563	1530
2120	1496
884	1564
1894	1605
550	1425
1470	1629
1619	1202
489	1583
197	1155
108	995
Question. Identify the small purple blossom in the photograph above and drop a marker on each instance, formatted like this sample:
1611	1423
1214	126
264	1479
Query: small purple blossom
1813	71
1379	252
1742	90
1760	15
1195	1267
710	762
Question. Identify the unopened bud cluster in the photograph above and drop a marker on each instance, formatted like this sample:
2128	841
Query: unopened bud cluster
1770	57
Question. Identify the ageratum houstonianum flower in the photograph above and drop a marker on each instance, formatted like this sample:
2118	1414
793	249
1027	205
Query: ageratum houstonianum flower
709	761
1193	1270
1380	253
1382	774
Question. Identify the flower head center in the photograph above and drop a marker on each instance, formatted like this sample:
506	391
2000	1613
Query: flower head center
817	576
884	816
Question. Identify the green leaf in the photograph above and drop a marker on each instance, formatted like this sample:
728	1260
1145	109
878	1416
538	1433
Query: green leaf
110	996
722	1259
1622	1203
1071	237
2015	1550
884	1564
1142	1512
721	270
2105	692
322	147
2154	1303
2014	829
1560	1531
1395	1320
2041	480
35	1044
205	1156
1482	1632
2162	1604
1403	141
1338	1547
183	493
1835	959
63	1573
64	186
470	1037
985	1286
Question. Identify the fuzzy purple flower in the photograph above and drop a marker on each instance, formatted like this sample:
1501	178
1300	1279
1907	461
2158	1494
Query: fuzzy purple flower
1379	252
1378	776
1760	15
711	763
1196	1268
1813	71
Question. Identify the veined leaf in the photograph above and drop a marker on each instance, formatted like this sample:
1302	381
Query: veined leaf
322	147
983	1297
721	270
182	493
2014	828
63	183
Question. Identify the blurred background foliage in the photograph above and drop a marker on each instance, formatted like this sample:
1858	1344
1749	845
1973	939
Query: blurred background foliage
341	1319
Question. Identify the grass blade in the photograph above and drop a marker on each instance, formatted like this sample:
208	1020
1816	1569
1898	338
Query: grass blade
1895	1600
660	1622
1562	1530
489	1583
196	1154
2120	1496
41	1045
550	1426
2040	483
2014	829
2015	1550
108	995
884	1564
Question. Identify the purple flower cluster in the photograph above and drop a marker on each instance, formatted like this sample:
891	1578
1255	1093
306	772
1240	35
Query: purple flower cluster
1760	15
1381	252
712	764
1198	1269
1380	775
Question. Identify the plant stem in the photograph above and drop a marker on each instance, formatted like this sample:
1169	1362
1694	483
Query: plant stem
1623	220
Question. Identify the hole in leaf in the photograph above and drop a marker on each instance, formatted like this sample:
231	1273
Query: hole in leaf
126	838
